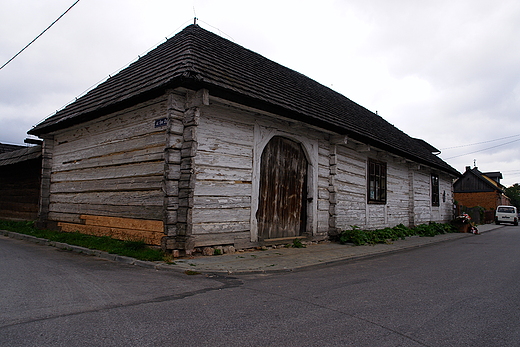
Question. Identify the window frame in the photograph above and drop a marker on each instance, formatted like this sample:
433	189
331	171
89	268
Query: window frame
435	190
376	182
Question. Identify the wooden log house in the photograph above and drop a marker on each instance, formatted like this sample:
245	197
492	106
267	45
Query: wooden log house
203	142
482	189
20	171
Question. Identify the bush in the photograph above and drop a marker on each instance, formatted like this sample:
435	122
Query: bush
356	236
361	237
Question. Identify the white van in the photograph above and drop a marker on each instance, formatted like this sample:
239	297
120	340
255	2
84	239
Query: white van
506	214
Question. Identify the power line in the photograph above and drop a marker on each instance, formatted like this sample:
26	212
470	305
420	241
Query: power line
37	37
480	150
479	143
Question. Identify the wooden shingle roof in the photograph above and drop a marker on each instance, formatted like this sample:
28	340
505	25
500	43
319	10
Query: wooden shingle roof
196	58
20	155
4	148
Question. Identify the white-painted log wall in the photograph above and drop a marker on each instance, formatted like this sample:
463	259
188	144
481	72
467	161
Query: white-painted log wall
112	166
198	173
223	171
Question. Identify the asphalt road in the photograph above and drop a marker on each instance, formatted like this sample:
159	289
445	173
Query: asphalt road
459	293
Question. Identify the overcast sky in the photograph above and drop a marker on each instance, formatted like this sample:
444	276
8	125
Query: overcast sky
444	71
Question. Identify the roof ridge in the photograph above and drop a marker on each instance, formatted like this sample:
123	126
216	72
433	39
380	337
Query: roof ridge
197	58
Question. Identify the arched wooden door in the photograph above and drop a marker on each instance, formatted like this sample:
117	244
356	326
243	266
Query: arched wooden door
283	190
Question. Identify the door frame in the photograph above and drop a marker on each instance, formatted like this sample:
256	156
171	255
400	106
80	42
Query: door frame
262	136
284	158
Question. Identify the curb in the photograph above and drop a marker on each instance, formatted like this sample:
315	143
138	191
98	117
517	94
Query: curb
85	251
182	269
331	262
339	260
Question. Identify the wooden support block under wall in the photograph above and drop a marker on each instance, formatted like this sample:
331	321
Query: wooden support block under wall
124	223
149	237
219	239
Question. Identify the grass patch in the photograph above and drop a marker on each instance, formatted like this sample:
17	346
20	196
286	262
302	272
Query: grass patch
191	273
297	243
360	237
134	249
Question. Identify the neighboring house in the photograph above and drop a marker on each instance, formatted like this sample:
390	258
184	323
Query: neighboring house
202	142
475	188
4	148
20	172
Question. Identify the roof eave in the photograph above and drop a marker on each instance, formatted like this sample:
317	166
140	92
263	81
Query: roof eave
276	109
190	81
78	118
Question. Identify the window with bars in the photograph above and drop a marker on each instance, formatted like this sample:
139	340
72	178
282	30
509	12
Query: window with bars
376	185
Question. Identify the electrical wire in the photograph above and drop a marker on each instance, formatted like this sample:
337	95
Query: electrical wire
481	150
37	37
479	143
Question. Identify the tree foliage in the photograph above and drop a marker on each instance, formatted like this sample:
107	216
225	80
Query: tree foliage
513	193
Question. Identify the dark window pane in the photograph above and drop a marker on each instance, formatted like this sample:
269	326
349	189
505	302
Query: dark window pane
376	184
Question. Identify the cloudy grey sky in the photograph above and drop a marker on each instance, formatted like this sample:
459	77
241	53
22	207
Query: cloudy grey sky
445	71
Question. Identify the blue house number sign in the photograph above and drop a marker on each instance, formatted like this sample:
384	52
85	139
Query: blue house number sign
161	122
